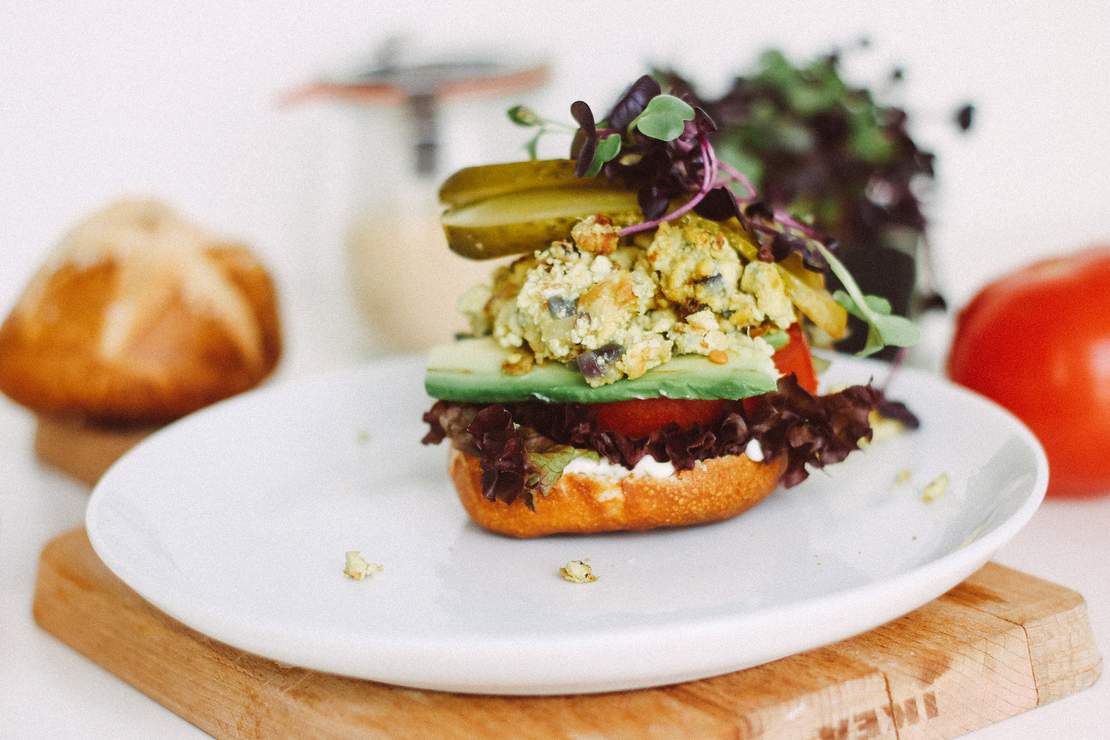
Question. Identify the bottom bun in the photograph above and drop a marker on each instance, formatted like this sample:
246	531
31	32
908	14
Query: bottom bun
713	490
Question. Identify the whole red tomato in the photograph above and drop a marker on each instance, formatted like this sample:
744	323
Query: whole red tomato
1037	341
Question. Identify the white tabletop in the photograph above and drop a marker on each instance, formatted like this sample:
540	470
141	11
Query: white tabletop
47	690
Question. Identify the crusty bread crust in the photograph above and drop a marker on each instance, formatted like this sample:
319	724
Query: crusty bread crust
716	489
183	360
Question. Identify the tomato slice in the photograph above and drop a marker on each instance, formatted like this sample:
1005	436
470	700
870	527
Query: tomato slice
639	418
796	358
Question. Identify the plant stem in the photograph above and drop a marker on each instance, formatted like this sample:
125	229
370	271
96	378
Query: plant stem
709	177
739	177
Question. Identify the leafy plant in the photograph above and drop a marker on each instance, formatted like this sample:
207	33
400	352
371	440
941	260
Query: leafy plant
659	145
883	328
815	145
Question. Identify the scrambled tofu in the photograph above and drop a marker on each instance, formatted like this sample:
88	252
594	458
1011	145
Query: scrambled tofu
621	310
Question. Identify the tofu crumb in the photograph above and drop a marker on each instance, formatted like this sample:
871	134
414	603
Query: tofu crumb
882	428
518	363
935	488
362	436
578	571
903	477
358	567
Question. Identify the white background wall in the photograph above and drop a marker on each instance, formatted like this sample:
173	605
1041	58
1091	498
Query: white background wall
99	99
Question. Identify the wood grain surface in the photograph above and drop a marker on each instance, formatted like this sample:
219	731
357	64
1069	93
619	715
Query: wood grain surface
1001	643
83	450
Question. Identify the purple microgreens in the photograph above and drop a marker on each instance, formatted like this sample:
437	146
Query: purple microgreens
632	102
738	176
787	220
586	126
719	204
709	167
758	209
659	145
653	201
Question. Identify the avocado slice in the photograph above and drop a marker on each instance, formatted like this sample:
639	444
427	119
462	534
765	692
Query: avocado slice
469	370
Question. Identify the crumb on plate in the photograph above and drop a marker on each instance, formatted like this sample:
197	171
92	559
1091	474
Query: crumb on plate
358	567
903	476
882	428
578	571
935	488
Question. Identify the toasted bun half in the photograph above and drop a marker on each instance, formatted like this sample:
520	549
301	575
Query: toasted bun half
716	489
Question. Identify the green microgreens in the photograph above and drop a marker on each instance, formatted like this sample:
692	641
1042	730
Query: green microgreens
607	150
645	121
883	327
664	118
525	117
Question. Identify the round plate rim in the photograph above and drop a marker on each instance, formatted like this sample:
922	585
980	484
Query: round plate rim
894	596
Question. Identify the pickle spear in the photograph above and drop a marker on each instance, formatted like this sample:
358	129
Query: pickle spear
519	222
473	184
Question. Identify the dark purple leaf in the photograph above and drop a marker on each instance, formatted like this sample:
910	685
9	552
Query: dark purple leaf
784	245
719	204
703	124
653	201
581	113
632	102
810	431
830	179
831	128
585	118
758	209
898	411
585	156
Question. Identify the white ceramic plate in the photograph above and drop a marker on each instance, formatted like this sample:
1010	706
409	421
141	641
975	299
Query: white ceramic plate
235	521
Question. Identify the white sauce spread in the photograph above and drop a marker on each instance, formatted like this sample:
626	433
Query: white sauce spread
648	466
754	451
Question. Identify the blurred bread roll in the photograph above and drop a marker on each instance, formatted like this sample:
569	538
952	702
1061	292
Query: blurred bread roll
137	318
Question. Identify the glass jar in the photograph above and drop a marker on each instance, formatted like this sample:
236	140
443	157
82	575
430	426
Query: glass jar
412	125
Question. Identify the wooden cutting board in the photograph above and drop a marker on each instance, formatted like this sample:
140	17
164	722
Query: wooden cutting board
999	644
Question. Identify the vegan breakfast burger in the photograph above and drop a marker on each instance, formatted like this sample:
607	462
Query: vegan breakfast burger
645	362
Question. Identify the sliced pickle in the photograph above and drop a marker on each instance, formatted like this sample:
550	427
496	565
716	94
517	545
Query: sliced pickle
473	184
523	221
